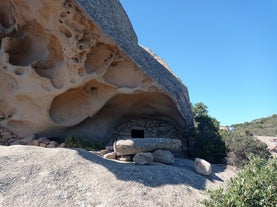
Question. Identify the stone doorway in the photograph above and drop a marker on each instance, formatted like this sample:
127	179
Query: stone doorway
137	133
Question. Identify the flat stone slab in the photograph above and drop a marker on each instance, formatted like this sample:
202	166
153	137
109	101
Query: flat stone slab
137	145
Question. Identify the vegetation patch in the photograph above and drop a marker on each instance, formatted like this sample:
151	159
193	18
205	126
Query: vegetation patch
79	142
261	127
208	143
255	186
239	145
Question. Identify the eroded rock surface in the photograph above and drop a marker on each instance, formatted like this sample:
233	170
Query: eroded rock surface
74	68
36	176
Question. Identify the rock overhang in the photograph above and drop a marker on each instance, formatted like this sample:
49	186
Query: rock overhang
66	63
143	57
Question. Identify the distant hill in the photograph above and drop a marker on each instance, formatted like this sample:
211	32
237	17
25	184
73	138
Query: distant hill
262	127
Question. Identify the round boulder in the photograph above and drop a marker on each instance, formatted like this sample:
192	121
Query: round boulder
202	167
143	158
163	156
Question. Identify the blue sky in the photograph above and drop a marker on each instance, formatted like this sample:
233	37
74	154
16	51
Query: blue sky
225	52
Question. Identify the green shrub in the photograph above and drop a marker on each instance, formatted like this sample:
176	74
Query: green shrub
208	143
239	146
255	186
209	147
78	142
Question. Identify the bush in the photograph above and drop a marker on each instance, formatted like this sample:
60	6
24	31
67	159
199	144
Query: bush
255	186
77	142
209	147
239	146
208	142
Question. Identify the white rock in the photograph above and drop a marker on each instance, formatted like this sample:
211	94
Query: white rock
110	155
125	158
202	167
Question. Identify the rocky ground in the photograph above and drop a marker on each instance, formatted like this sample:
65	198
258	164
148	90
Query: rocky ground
36	176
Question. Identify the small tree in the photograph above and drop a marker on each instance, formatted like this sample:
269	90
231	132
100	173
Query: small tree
199	109
208	143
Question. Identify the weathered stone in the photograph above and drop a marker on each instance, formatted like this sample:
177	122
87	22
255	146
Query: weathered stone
103	152
7	137
52	144
27	140
4	139
42	145
110	155
5	133
143	158
62	145
163	156
44	140
134	146
16	142
125	158
75	59
2	142
202	167
9	141
35	142
35	177
109	148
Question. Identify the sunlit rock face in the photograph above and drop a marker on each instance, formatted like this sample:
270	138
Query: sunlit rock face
75	68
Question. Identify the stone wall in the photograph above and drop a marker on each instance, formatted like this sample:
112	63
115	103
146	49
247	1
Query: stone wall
149	128
6	136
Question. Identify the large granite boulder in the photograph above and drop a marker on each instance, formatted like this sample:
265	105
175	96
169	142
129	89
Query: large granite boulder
137	145
73	67
40	177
